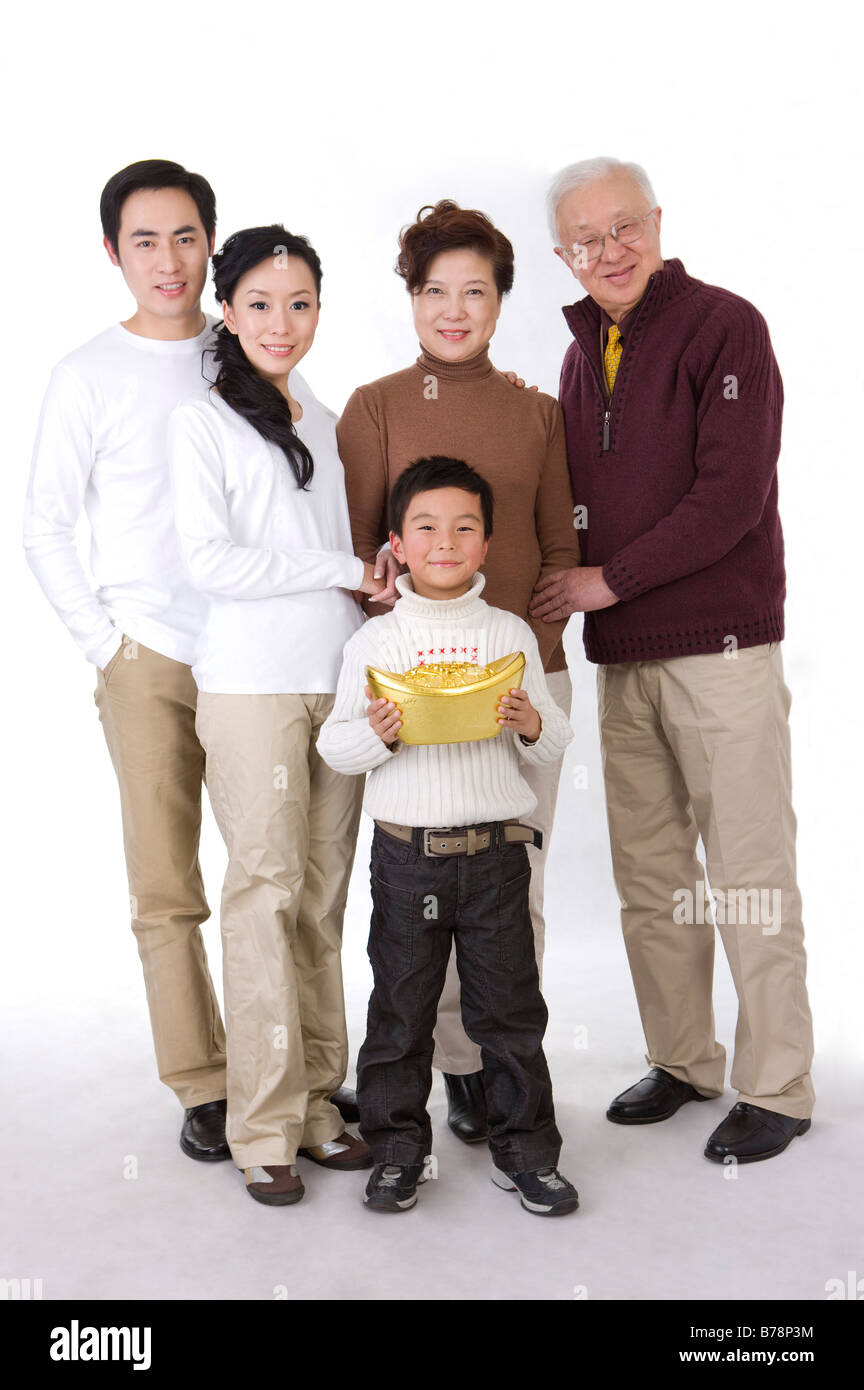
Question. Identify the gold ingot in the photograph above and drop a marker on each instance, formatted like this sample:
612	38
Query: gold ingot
451	701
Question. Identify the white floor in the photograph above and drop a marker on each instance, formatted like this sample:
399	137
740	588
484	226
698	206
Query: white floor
99	1202
657	1220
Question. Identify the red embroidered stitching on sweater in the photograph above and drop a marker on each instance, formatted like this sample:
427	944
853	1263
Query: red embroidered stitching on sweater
423	652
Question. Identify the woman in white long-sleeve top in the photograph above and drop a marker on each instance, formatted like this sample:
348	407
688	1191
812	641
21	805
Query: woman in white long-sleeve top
263	523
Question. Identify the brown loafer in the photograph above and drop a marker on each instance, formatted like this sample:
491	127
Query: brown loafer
275	1185
344	1152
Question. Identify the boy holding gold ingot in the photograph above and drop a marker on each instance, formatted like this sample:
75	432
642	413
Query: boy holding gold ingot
443	745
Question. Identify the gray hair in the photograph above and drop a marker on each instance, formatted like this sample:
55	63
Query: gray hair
586	171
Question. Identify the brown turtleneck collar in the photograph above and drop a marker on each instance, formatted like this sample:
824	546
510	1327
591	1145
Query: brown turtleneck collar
469	369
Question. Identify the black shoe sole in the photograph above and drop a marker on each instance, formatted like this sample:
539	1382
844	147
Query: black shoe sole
802	1128
217	1157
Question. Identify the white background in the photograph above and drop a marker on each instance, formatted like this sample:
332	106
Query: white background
341	121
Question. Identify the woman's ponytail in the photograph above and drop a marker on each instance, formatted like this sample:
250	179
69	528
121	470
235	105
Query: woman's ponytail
259	402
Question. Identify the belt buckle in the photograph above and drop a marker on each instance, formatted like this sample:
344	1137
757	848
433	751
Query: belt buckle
470	839
428	836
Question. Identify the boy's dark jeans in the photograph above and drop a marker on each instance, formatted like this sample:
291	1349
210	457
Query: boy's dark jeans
419	904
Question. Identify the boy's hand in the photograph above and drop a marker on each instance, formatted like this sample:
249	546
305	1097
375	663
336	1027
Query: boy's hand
385	718
518	713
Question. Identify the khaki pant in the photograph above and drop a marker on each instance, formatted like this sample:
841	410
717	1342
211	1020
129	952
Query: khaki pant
290	824
699	746
146	703
455	1053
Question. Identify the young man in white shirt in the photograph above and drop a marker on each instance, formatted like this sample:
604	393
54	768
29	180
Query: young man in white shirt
101	446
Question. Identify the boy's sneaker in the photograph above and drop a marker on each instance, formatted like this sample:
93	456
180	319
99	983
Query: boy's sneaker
393	1186
544	1191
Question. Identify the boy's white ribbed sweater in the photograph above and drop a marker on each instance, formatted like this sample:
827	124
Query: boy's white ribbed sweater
444	784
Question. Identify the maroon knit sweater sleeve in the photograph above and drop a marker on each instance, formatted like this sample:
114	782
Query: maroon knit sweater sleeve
738	393
362	448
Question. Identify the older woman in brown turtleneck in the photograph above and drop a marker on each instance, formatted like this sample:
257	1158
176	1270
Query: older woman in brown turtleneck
457	267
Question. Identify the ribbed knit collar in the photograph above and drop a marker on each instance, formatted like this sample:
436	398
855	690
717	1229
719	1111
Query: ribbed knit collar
474	368
663	286
412	605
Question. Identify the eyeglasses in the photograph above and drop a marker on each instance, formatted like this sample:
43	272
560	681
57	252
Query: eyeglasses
625	232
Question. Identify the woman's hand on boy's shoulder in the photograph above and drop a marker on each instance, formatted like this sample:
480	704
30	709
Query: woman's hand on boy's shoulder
387	570
379	579
373	582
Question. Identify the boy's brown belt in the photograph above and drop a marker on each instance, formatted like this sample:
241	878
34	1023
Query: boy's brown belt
471	840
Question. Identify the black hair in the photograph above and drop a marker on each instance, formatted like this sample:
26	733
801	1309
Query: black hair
435	472
154	173
238	383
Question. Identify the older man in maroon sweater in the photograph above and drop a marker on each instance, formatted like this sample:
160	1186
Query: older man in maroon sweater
673	405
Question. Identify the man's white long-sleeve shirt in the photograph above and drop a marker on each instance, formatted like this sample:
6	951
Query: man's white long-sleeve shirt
102	446
445	783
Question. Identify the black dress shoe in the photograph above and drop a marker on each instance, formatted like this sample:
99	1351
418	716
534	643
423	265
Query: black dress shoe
466	1106
657	1096
750	1133
345	1101
203	1132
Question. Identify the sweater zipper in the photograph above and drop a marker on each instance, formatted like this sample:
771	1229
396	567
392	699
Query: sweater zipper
608	399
